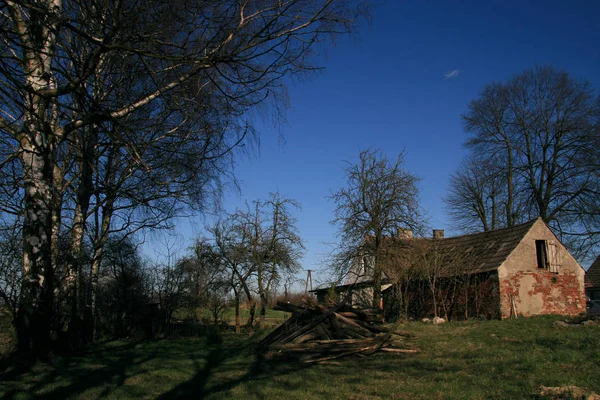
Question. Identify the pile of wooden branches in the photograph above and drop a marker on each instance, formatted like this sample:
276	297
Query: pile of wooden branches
318	334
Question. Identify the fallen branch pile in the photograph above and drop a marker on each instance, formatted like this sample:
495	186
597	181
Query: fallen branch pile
317	334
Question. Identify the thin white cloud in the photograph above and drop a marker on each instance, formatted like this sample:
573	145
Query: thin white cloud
452	74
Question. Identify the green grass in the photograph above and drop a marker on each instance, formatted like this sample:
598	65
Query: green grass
272	317
466	360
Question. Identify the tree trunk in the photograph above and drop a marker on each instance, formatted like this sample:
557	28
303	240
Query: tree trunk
237	313
377	275
251	301
509	186
107	211
263	311
35	303
84	194
76	335
57	200
493	197
433	287
36	142
252	313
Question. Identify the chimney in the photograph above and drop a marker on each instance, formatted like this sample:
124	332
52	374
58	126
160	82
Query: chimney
404	233
438	233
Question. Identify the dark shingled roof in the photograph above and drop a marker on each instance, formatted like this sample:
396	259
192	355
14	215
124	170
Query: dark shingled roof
592	276
488	249
483	252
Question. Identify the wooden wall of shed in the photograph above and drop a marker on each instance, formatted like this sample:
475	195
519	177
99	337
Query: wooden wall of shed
473	296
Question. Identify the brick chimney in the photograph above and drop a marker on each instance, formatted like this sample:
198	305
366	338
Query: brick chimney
404	233
438	233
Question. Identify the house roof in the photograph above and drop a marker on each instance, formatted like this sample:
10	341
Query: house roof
476	252
487	250
592	276
357	285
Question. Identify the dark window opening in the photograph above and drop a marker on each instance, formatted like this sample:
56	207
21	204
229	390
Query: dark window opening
542	255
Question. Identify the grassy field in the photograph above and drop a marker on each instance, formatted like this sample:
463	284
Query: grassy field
466	360
272	317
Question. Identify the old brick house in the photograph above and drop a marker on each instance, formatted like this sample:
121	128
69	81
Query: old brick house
536	273
523	270
592	281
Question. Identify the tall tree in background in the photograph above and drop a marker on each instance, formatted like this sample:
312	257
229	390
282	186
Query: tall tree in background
232	245
537	131
276	246
259	245
477	196
52	53
492	136
380	200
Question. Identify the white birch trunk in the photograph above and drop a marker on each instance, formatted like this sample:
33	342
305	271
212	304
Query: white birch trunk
36	153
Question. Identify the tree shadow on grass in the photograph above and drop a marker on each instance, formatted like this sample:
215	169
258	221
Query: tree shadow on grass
112	369
258	369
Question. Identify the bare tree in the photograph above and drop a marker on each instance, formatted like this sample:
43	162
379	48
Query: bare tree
170	277
123	292
380	200
54	49
399	266
477	197
258	246
232	245
538	130
276	245
442	267
486	119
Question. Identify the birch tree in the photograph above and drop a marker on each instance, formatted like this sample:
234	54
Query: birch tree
53	50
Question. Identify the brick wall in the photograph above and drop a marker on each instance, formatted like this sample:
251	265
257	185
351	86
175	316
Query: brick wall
537	290
541	292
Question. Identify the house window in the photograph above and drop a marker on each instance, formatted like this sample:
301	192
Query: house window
548	255
542	255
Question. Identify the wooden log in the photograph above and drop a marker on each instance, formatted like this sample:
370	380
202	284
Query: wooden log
394	350
353	325
334	356
288	307
306	337
380	340
348	314
338	345
283	330
312	324
335	326
370	315
324	334
404	334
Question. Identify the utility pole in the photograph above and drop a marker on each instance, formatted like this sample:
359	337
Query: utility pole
308	278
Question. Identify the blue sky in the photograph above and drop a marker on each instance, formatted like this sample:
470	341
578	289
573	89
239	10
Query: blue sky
403	84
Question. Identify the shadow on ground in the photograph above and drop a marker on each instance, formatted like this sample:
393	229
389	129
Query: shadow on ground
47	380
216	368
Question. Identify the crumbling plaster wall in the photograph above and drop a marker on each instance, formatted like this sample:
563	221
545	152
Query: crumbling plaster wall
535	291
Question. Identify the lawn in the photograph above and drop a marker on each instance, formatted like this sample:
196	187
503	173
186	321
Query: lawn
479	360
272	317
